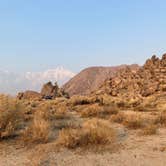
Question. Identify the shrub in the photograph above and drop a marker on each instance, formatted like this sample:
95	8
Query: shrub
80	100
44	112
133	122
37	132
98	111
144	108
92	111
149	130
93	132
10	116
118	118
121	104
60	112
161	119
110	110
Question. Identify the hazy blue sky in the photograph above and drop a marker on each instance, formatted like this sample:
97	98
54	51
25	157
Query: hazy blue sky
40	34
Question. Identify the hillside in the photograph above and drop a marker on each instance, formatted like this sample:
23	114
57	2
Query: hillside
123	122
149	80
90	79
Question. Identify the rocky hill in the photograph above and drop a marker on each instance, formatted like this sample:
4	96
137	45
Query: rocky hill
148	80
48	91
90	79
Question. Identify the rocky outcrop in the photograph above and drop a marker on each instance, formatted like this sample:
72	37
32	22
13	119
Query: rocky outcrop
50	91
29	95
91	79
146	81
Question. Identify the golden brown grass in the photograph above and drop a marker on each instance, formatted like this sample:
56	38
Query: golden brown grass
161	119
118	118
96	110
81	100
149	130
10	116
60	112
145	108
91	111
38	131
134	122
92	132
49	111
44	112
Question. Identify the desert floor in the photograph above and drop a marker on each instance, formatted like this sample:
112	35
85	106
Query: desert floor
131	149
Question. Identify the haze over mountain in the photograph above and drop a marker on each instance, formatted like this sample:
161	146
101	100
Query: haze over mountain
13	82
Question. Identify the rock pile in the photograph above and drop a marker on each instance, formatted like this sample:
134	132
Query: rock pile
48	91
146	81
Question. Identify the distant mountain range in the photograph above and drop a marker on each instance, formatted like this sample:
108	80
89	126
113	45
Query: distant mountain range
83	83
13	83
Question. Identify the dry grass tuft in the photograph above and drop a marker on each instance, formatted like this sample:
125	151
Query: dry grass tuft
118	118
134	122
92	132
81	100
149	130
161	119
48	111
44	112
60	112
38	131
96	110
145	108
92	111
110	110
10	116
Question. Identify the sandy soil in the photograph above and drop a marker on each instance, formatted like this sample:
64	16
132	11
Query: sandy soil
133	150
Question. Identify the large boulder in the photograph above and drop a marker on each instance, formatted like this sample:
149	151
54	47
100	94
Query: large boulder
50	91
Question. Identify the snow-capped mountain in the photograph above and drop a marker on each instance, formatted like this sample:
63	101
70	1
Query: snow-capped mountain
13	83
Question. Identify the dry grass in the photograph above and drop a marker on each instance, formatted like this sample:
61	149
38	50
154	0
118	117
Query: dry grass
48	111
110	110
118	118
44	112
10	116
134	122
161	119
145	108
60	112
92	132
96	110
38	131
81	100
91	111
149	130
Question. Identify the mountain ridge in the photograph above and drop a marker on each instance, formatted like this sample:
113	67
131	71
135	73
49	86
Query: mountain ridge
89	79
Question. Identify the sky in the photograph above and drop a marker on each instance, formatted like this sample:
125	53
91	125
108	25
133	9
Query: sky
37	35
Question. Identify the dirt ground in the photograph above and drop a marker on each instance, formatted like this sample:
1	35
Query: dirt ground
132	150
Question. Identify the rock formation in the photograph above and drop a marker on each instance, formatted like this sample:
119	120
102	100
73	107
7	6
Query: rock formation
146	81
50	91
91	79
